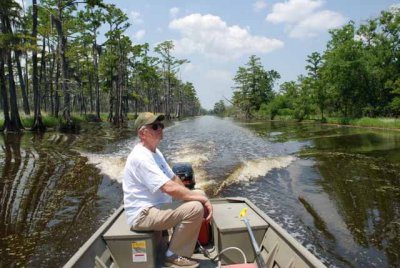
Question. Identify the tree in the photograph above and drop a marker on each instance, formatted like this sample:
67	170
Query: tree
170	66
344	72
118	47
313	67
93	19
37	121
395	90
9	11
219	107
254	86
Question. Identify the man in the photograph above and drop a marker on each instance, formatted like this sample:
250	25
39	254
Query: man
149	186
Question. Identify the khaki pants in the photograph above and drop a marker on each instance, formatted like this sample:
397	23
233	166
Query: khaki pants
185	218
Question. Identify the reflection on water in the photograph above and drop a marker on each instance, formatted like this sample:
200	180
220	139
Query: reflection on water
351	179
335	189
51	200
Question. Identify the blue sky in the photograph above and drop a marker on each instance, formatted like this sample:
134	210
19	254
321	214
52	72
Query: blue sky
218	36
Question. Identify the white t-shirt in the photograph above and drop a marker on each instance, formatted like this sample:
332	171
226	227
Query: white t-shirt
145	172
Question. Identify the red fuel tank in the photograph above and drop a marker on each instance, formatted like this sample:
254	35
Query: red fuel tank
204	234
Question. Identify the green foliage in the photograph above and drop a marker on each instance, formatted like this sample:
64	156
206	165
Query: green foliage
253	86
392	123
27	122
132	116
280	105
219	108
48	120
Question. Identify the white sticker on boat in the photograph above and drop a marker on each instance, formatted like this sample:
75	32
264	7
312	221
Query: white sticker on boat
139	251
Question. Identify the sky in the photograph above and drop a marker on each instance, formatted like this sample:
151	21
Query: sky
219	36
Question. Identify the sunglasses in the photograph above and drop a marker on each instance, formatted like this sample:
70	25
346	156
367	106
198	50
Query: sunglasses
156	126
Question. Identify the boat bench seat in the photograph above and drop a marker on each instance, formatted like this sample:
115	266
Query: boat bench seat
131	247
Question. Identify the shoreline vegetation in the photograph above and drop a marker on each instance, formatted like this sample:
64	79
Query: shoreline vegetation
54	123
382	123
368	122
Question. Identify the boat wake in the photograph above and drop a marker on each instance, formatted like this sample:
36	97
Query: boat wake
197	155
252	169
110	165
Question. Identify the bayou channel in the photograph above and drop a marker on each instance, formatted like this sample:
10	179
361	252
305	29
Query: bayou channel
335	189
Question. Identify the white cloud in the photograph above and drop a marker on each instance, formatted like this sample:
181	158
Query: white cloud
139	34
173	12
303	18
293	11
211	36
316	23
259	5
136	17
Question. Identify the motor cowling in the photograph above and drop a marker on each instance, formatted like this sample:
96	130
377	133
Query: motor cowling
185	172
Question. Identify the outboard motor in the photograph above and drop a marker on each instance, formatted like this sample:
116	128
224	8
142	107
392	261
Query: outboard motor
185	172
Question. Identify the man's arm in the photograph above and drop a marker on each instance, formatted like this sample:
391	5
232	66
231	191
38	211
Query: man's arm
178	191
177	180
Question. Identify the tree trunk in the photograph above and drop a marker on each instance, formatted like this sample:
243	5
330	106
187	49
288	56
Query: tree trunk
51	72
38	123
22	83
63	65
82	96
26	75
168	95
90	86
15	120
43	87
56	95
3	89
15	124
118	119
110	114
96	80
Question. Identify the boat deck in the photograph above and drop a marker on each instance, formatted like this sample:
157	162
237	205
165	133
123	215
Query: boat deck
115	245
204	262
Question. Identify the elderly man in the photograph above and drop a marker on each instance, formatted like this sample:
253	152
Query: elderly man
149	185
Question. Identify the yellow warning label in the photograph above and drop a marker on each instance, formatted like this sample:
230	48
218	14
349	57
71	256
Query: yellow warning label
139	253
139	244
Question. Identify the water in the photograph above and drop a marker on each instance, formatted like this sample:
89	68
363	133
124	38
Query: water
335	189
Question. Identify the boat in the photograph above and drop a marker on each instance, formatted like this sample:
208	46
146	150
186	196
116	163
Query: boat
239	235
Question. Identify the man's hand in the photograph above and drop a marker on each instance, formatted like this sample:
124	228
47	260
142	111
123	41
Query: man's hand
176	189
207	205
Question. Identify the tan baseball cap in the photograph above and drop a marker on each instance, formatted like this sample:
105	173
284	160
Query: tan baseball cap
147	118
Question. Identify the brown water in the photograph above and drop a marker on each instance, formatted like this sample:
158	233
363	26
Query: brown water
335	189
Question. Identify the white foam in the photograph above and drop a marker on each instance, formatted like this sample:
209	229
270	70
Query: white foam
197	155
193	153
252	169
110	165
